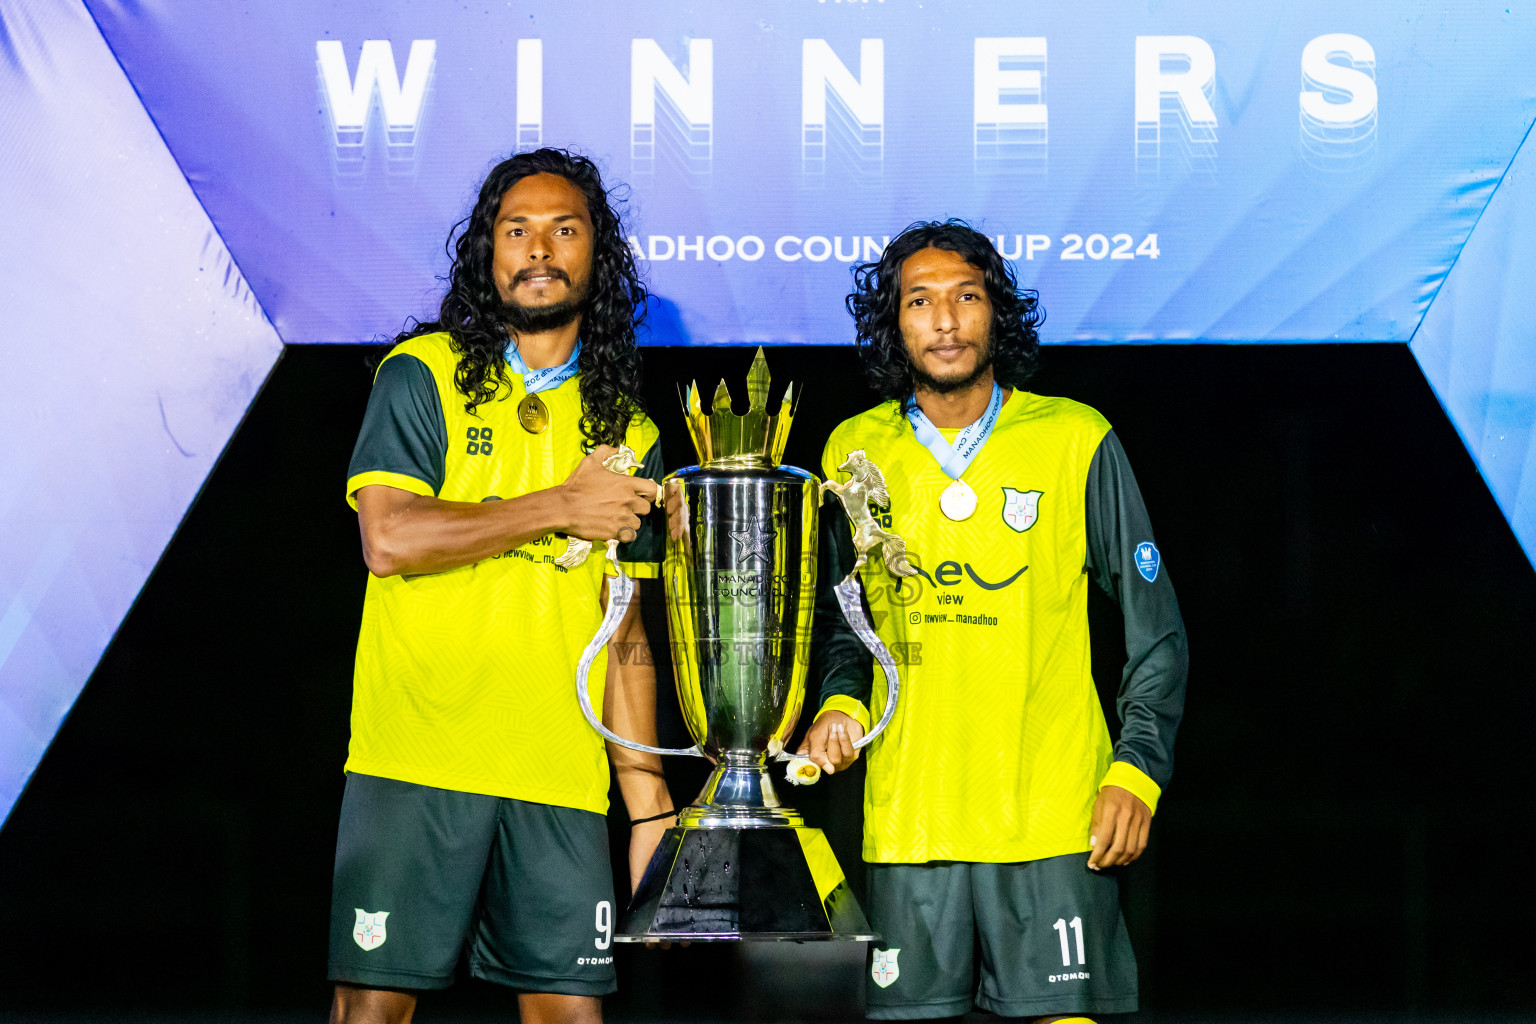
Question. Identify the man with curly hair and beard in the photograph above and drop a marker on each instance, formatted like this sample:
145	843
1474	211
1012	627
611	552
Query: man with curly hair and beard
996	775
473	819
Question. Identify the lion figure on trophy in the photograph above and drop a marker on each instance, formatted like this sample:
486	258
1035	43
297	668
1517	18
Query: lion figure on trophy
867	484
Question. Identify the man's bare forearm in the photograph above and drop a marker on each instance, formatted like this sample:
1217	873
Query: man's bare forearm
409	533
629	709
641	783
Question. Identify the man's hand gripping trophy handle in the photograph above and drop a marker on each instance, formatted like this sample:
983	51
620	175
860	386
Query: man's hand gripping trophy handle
621	588
835	739
600	507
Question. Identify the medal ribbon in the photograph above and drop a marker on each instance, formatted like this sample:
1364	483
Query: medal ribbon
545	378
953	459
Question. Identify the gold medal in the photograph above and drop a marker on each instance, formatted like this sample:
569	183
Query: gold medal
533	415
958	501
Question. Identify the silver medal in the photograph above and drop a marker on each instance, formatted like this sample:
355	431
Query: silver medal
958	501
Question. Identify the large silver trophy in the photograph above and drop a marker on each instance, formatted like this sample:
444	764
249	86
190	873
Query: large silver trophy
740	579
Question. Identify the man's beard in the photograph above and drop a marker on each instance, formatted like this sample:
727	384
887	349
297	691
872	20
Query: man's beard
521	319
925	381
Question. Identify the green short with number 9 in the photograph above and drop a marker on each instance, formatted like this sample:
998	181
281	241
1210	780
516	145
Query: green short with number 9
424	875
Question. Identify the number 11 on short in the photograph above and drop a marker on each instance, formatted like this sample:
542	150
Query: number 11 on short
1061	926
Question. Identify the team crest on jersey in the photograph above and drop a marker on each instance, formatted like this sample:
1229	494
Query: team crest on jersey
885	969
369	930
1021	508
1148	560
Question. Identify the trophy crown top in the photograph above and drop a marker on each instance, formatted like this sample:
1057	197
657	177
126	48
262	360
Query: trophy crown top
755	440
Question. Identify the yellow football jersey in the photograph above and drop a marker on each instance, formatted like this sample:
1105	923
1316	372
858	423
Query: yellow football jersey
998	745
465	680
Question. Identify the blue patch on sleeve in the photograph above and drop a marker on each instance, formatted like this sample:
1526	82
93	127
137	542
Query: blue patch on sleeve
1148	560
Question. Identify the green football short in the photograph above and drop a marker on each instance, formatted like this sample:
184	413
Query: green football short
426	875
1051	940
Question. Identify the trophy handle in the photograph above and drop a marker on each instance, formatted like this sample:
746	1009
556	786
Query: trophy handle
848	597
621	590
866	484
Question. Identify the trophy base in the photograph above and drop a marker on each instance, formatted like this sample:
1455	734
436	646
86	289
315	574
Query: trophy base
774	883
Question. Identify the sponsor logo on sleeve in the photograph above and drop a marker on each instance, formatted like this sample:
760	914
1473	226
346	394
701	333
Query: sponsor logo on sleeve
1020	508
369	931
885	969
1148	560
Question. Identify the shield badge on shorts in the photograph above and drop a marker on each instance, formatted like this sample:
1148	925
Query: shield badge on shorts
885	969
1020	508
369	931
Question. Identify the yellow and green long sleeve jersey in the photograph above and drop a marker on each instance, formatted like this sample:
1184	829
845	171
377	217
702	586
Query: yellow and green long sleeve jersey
999	745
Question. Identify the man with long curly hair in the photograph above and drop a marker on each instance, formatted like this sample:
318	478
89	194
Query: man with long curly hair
996	775
473	821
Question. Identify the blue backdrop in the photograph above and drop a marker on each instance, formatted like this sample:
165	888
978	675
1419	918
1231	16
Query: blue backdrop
1171	170
198	183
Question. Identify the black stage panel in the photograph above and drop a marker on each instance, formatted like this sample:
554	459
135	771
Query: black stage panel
1342	838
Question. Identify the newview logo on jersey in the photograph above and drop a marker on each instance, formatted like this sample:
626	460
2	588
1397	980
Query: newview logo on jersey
671	98
951	573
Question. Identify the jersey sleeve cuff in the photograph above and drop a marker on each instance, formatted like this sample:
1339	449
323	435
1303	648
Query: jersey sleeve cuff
381	476
1128	777
848	706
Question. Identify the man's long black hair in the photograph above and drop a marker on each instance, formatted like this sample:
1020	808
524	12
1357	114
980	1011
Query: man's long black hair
471	311
875	304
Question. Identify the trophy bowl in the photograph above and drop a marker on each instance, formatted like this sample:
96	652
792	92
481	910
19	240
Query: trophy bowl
740	578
